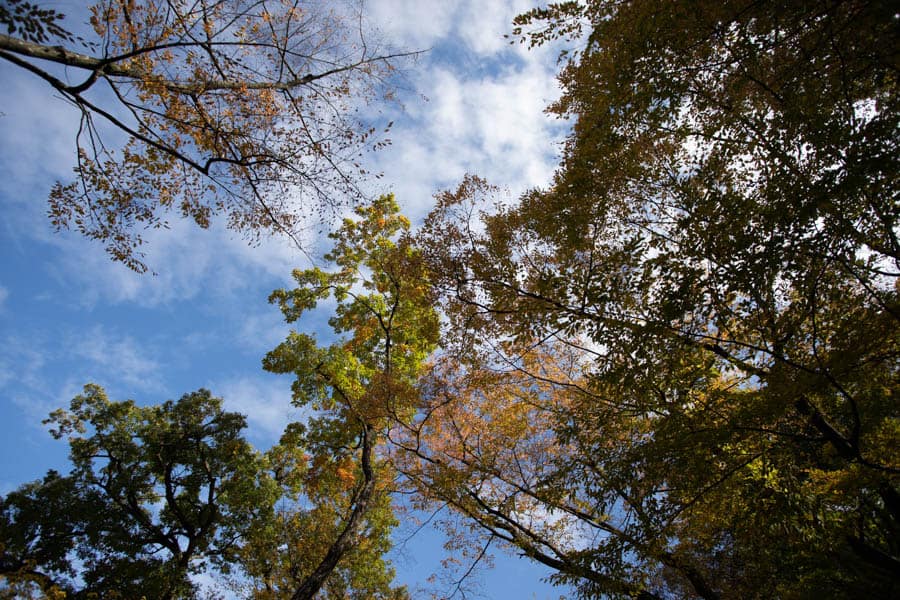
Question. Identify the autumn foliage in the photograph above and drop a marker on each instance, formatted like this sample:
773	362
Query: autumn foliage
246	109
716	261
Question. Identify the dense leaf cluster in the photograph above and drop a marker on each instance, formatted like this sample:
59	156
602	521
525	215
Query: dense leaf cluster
153	494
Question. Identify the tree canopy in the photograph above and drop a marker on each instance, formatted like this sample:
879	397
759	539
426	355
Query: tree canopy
153	494
715	266
159	493
671	373
365	382
226	107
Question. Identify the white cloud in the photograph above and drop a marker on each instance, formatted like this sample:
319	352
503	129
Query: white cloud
413	24
21	365
4	294
263	330
484	115
117	358
38	148
479	109
24	380
486	120
494	126
422	24
266	402
187	263
38	128
111	359
483	25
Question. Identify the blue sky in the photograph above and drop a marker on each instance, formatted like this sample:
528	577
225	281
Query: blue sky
69	316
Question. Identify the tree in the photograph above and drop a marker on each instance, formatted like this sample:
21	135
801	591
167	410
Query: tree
278	557
226	106
160	493
37	527
719	251
362	386
155	493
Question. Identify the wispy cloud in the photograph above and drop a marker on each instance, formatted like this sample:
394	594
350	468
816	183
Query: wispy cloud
476	105
266	401
484	25
484	111
189	262
118	358
21	366
483	116
262	330
425	23
42	371
471	127
34	152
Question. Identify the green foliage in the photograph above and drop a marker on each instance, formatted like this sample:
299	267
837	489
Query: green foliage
384	301
153	493
39	523
671	374
317	493
157	493
292	545
339	517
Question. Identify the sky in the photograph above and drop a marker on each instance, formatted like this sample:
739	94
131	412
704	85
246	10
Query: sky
472	103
